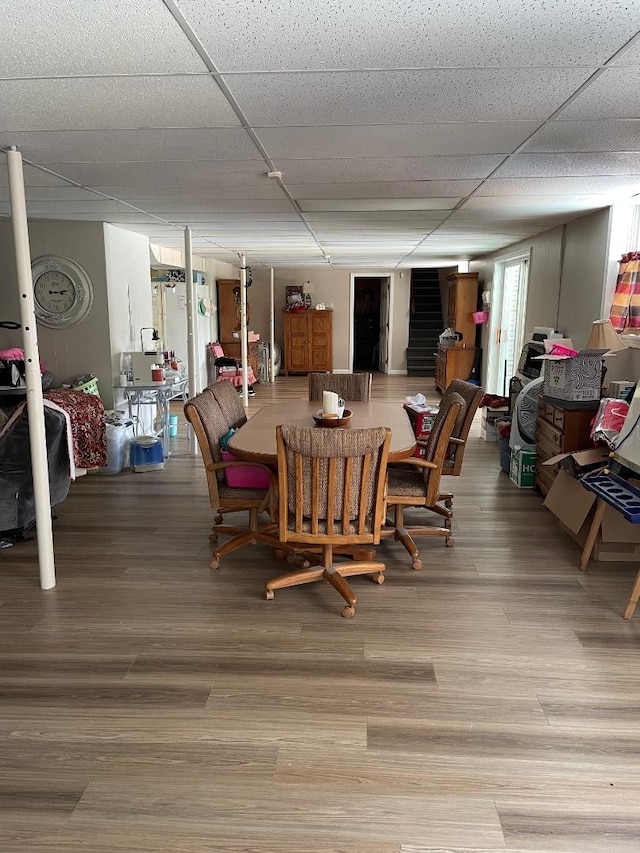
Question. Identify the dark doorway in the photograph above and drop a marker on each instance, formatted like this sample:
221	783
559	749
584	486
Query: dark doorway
366	322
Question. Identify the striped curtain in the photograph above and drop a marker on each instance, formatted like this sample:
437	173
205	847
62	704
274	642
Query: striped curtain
625	310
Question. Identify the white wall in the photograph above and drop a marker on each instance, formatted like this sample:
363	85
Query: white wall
129	294
566	277
583	278
85	347
330	286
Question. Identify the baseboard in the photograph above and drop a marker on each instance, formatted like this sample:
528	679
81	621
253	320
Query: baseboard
396	373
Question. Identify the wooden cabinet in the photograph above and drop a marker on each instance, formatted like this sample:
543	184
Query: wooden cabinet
559	430
461	303
308	341
453	363
229	322
462	300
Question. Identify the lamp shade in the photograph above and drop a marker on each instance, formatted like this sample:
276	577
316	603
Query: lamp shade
604	336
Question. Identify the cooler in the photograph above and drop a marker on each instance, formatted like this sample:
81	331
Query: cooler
146	453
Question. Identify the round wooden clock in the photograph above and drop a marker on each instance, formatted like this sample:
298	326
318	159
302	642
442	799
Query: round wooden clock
62	291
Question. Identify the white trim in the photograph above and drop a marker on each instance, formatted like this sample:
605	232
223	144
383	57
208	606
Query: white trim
495	314
397	373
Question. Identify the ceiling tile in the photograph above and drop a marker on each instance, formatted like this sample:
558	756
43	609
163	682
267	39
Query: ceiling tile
385	140
300	34
561	186
93	103
76	37
534	206
570	164
585	136
116	146
383	190
180	175
32	177
614	94
456	95
379	204
387	169
629	56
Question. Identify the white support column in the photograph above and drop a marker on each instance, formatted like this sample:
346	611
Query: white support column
244	349
192	365
35	405
272	345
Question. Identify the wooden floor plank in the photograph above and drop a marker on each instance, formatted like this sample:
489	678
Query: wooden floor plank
486	703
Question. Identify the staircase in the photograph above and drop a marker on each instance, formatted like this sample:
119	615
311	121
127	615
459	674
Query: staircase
425	323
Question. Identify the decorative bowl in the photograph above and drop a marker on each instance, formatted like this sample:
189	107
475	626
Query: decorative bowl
321	421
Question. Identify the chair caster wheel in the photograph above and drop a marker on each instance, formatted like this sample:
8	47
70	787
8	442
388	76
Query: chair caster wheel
213	538
218	519
416	564
449	541
348	612
292	558
269	594
378	578
215	563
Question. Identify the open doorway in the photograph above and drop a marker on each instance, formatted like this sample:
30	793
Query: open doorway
370	301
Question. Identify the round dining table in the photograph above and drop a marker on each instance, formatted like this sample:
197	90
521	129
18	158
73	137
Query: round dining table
255	441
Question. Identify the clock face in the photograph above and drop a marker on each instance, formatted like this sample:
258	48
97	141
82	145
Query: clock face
62	291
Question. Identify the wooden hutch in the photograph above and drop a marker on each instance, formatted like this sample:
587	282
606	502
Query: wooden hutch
308	341
456	362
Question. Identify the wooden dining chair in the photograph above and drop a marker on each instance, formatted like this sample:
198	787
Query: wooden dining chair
415	482
353	387
209	425
230	402
332	488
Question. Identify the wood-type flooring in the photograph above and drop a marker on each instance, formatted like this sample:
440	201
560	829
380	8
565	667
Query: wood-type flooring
487	703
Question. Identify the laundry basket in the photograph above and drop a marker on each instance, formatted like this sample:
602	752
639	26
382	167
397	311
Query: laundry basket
87	384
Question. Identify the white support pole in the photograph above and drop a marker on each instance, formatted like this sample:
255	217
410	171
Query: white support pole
35	405
272	345
192	366
244	349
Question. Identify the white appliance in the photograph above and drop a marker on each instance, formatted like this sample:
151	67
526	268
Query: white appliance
141	365
523	425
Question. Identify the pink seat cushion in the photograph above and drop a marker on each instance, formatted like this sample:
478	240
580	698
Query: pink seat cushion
244	477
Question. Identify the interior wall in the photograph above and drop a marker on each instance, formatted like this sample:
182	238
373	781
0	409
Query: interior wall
331	286
129	296
208	326
584	274
85	347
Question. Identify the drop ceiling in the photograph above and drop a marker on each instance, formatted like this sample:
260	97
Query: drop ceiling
407	133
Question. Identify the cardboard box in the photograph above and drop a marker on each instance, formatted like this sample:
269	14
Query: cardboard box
523	468
488	428
618	540
422	418
574	377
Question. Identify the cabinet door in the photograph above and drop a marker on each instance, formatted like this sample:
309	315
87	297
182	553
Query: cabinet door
297	342
320	341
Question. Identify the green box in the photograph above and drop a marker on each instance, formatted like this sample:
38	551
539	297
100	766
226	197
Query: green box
523	468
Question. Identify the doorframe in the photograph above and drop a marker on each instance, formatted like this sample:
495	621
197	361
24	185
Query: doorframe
352	304
495	314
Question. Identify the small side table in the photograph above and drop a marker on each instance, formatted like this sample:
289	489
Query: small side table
612	490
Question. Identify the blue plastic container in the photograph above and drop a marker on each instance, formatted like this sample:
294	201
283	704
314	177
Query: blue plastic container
173	425
146	453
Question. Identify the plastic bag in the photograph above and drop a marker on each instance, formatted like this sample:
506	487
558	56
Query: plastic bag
609	420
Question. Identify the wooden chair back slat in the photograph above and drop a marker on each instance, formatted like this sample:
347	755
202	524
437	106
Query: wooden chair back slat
331	495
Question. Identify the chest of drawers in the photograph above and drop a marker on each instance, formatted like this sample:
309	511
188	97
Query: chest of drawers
559	430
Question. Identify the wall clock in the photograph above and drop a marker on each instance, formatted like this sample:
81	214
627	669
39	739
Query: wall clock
62	291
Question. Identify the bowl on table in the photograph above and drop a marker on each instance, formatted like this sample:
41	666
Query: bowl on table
323	421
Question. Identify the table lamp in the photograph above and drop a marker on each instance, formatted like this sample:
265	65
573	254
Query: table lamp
604	337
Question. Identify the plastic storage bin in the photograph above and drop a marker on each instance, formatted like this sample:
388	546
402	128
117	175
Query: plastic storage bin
146	453
118	438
